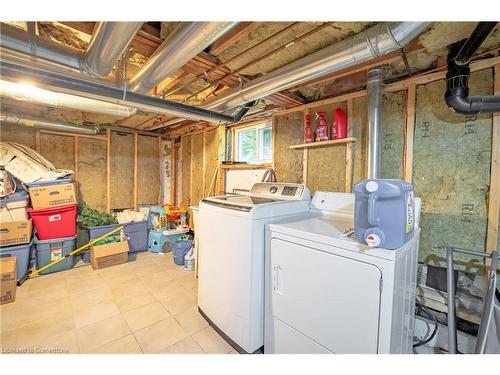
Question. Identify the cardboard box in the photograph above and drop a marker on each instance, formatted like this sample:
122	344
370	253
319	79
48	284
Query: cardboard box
108	255
51	196
8	280
15	232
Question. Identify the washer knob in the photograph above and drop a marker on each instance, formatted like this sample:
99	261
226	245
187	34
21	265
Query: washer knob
273	189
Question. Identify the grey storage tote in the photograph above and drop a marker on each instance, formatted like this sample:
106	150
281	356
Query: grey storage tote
136	231
22	254
48	251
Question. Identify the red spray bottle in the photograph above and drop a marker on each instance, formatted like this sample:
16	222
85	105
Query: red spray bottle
339	124
307	129
322	128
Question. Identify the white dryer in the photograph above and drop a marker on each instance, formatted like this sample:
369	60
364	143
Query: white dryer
231	264
328	293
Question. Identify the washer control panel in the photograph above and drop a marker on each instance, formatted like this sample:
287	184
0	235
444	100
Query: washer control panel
283	191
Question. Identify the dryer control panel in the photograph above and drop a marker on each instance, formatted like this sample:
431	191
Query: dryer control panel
283	191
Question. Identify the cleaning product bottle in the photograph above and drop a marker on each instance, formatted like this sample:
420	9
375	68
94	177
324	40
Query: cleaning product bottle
189	260
307	129
339	124
322	128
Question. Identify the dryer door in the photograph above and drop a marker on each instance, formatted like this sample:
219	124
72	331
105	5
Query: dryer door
330	299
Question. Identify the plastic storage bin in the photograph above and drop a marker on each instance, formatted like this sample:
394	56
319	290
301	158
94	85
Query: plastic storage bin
13	207
50	182
48	251
136	231
22	254
58	222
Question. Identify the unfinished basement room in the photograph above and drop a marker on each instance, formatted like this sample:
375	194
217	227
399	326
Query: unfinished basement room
233	182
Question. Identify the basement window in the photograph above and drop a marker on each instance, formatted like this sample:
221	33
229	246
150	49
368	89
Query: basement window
254	144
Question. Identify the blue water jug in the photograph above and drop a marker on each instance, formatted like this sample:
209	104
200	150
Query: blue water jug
384	213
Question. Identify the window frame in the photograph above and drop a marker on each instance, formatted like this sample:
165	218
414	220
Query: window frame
259	128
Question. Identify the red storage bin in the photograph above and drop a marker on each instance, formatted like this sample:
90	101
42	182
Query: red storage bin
55	222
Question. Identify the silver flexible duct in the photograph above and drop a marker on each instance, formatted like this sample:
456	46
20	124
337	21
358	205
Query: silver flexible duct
376	41
32	94
76	84
109	41
186	41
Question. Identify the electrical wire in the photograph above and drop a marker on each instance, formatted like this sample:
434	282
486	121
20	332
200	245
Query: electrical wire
434	331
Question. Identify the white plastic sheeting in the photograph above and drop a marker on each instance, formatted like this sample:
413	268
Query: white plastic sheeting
28	165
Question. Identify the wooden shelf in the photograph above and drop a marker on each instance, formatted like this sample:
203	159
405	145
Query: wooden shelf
246	166
324	143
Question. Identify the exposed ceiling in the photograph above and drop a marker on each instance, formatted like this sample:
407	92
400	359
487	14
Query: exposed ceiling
249	50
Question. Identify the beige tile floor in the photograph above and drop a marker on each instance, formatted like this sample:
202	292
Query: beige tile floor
144	306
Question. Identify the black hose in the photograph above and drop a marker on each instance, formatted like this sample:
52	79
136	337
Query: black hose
434	331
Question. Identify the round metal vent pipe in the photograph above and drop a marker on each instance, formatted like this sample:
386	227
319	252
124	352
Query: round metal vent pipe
187	40
376	41
47	124
374	91
109	41
32	94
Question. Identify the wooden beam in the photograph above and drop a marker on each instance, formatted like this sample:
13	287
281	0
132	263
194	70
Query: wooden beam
204	165
76	158
136	195
233	36
349	147
173	172
324	102
191	170
411	101
494	193
425	78
37	140
67	134
161	194
246	166
108	170
305	153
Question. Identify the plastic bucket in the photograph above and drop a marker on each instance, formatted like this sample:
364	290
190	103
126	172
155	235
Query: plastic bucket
180	249
58	222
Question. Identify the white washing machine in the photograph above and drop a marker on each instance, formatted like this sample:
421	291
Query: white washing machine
328	293
231	273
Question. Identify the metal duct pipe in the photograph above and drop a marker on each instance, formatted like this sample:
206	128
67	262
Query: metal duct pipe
46	124
186	41
82	86
374	90
371	43
15	39
32	94
108	42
